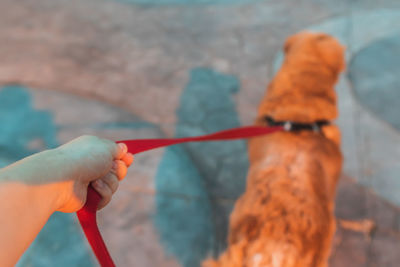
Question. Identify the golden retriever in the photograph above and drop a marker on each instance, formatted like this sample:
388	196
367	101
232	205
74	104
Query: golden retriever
285	218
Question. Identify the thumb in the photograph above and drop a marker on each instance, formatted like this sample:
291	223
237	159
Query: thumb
117	151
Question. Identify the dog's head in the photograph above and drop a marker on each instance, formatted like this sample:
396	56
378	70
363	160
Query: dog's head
318	46
303	89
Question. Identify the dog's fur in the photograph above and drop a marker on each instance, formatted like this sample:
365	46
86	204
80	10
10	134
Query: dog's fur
285	218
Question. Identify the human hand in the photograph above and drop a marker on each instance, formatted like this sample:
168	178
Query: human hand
90	160
33	188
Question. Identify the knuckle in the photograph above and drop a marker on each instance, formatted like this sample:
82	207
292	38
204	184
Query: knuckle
108	198
107	192
105	200
114	184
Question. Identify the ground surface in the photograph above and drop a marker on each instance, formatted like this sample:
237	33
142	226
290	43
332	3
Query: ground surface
141	68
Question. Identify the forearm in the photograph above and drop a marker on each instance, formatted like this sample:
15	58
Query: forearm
24	206
23	213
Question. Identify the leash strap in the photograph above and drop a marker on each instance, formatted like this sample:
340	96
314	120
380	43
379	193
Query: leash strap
87	215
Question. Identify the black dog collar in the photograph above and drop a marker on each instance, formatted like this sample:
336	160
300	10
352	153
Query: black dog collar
290	126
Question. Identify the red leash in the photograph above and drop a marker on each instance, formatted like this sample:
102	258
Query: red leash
87	215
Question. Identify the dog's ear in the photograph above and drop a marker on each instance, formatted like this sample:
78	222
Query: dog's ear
332	52
298	37
289	42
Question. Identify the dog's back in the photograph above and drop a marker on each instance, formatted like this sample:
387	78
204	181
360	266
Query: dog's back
285	217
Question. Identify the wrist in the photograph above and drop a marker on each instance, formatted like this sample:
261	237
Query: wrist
45	182
53	192
45	196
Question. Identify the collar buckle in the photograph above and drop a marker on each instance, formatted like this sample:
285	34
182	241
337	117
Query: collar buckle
287	126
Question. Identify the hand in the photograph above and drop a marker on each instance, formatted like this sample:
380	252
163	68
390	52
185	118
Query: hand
54	180
108	184
90	160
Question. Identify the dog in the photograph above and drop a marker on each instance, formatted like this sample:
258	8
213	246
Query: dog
286	218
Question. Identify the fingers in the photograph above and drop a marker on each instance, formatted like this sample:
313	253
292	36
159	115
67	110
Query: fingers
123	149
111	181
118	151
119	169
105	186
128	159
108	185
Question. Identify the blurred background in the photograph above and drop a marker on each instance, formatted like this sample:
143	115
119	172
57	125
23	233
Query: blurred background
123	69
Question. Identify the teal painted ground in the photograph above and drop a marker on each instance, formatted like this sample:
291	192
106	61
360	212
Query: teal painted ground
374	73
197	183
21	124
